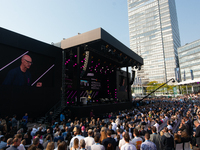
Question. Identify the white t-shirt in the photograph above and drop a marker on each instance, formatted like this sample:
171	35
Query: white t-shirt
97	147
89	141
136	141
122	142
128	146
169	127
21	147
72	140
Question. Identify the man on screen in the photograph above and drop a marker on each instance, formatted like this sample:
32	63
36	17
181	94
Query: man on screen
20	76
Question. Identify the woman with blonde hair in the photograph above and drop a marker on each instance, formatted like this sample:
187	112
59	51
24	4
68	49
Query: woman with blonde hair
76	144
50	146
103	136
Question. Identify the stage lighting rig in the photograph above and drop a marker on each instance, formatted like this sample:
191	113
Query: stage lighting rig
139	67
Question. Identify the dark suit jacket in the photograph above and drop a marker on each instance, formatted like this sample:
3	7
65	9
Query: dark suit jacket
198	136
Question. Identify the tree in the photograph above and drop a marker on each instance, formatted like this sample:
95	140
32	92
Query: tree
165	89
151	86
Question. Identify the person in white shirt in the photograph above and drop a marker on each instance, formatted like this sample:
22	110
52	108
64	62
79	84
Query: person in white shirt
122	141
34	130
127	145
97	145
77	132
156	125
168	125
89	141
117	121
136	141
114	125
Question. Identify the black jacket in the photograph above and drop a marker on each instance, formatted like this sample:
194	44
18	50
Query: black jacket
167	141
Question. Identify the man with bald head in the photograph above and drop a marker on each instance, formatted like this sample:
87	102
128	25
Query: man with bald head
20	76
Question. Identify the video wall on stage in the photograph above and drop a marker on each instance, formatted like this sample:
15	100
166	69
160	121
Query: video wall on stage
30	75
40	68
122	86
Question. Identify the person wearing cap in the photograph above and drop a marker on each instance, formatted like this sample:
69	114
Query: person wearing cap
89	140
97	145
77	132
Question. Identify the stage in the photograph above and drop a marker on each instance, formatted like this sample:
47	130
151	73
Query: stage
98	109
87	66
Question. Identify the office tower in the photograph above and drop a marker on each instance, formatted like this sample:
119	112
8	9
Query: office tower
189	60
154	35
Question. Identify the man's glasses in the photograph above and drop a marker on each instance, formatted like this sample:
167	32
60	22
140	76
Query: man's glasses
28	61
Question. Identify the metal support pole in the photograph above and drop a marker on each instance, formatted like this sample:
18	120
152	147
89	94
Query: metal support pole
128	85
63	101
78	76
158	88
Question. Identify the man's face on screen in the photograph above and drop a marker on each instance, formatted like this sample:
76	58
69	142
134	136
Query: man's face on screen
27	61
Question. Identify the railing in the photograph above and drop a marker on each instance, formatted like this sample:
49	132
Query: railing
55	108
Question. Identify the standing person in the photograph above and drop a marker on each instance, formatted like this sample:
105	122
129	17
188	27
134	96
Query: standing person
82	144
155	138
50	146
109	140
91	114
137	141
16	143
2	142
75	144
62	117
25	117
97	145
14	121
36	142
127	146
167	140
89	141
77	132
9	143
197	133
20	147
148	145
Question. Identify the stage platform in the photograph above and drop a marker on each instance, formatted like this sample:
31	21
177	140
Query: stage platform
98	109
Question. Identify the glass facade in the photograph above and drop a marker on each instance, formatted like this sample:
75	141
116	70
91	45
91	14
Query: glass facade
154	35
189	59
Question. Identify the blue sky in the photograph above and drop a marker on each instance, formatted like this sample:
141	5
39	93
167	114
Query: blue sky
52	20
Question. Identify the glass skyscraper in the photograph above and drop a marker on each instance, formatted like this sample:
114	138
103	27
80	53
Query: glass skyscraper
154	35
190	53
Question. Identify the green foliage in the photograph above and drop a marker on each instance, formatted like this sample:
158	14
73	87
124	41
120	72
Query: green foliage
153	85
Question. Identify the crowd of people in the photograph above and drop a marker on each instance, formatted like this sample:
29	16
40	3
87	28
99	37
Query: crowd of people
161	124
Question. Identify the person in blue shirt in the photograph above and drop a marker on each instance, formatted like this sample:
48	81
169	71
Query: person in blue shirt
26	117
62	117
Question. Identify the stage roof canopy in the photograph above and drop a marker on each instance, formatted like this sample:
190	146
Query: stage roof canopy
104	44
